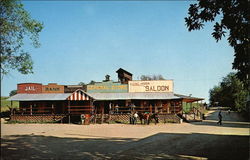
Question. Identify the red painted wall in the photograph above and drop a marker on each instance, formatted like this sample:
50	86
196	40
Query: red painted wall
30	88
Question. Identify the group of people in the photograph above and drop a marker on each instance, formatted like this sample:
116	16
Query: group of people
115	108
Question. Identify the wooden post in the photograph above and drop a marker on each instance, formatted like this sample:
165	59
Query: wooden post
69	110
102	115
11	110
52	106
181	108
197	108
31	109
174	107
168	106
95	113
191	106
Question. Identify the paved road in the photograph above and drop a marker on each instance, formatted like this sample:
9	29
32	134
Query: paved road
198	140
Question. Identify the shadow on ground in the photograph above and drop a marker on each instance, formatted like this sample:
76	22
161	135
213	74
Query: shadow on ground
226	116
224	124
232	119
158	146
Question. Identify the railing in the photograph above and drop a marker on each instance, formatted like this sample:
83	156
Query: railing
194	114
37	118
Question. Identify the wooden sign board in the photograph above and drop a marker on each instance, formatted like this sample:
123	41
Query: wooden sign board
29	88
151	86
53	88
107	87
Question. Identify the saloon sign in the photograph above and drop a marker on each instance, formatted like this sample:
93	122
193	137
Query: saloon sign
151	86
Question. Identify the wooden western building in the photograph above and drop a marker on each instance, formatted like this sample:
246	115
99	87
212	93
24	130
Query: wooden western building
100	102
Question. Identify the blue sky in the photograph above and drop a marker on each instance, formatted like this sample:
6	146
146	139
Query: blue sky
83	41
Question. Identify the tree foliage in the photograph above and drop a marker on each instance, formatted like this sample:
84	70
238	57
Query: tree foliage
151	77
229	93
232	17
12	93
16	26
92	82
81	83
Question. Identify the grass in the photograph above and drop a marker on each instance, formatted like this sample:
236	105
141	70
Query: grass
6	104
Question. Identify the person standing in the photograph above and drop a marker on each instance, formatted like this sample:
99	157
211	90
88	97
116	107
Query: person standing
116	108
135	118
220	118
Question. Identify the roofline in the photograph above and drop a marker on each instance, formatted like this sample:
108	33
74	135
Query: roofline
124	71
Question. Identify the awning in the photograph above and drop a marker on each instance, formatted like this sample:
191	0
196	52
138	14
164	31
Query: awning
40	97
188	98
81	95
133	96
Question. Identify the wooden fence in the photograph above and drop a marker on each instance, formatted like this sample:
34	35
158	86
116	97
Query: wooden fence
163	118
37	118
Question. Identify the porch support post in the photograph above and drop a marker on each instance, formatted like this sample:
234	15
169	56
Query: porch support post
102	116
52	107
31	109
69	110
181	107
95	109
11	104
174	107
198	107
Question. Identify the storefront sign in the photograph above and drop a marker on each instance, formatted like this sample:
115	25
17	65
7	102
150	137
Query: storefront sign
30	88
151	86
107	87
53	88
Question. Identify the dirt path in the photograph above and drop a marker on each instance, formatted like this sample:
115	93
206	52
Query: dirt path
199	140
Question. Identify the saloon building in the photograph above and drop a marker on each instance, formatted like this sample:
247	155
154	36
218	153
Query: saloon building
101	102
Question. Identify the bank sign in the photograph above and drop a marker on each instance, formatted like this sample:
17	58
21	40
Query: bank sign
151	86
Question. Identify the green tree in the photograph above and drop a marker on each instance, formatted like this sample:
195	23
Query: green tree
81	83
12	93
151	77
229	93
231	17
16	25
92	82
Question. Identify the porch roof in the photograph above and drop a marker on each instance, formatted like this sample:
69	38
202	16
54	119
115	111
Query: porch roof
189	98
135	96
103	96
40	97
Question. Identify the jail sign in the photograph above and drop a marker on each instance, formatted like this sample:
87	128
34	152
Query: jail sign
151	86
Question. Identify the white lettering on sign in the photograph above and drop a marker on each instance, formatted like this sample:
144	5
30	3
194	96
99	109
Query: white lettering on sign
151	86
30	88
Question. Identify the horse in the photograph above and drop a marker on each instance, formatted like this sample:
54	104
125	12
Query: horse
155	117
144	117
147	117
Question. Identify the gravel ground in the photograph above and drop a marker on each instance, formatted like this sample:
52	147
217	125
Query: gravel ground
196	140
